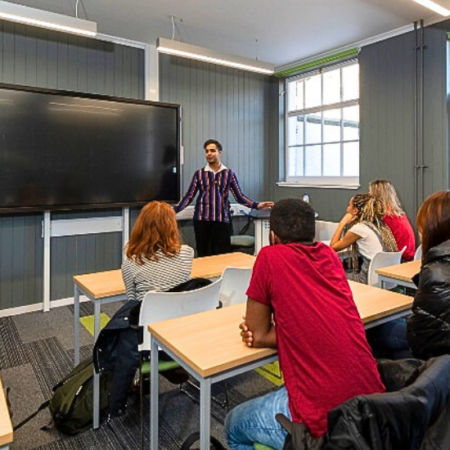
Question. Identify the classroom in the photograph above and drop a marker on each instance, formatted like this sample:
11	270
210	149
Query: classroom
300	100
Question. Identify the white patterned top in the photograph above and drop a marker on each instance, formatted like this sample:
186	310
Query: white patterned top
160	275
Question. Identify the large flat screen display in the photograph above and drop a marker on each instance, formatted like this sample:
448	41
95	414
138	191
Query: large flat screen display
62	150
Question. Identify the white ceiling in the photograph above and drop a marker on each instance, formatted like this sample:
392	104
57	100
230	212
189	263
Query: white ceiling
287	30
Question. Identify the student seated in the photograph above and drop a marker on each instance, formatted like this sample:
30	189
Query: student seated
300	302
395	218
155	258
366	234
155	261
428	327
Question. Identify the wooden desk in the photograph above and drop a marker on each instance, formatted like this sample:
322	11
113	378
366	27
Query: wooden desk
6	429
108	287
209	347
400	274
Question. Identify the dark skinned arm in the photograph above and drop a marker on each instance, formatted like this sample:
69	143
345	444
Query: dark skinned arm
258	329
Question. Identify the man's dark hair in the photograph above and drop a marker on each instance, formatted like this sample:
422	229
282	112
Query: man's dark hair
293	220
213	141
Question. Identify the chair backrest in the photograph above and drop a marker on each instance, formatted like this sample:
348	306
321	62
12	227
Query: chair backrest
325	230
383	259
418	254
158	306
235	282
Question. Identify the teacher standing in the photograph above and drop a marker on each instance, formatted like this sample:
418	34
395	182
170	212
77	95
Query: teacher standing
212	210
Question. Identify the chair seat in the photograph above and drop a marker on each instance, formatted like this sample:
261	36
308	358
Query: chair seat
242	241
257	446
163	366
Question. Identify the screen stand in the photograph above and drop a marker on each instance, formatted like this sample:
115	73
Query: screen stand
46	227
78	227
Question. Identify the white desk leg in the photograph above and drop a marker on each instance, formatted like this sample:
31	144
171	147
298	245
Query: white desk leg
96	394
205	413
76	313
154	392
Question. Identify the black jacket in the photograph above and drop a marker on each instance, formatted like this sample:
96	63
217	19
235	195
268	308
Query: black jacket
413	414
116	348
429	324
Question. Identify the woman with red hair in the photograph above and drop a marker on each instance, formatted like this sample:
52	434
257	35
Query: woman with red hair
429	324
156	259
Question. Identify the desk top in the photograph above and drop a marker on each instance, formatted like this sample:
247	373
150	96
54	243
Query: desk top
6	429
403	272
216	345
110	283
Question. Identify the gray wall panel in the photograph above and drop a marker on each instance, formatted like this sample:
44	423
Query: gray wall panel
229	105
225	104
38	57
387	123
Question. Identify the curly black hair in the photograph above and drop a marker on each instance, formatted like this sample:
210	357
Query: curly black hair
293	220
213	141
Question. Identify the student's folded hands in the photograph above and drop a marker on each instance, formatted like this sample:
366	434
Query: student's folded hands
246	334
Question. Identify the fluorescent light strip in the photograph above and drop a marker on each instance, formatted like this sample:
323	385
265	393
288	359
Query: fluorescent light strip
46	19
222	62
434	7
182	49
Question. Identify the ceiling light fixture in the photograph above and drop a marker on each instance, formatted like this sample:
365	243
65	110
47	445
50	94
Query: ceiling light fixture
177	48
434	7
46	19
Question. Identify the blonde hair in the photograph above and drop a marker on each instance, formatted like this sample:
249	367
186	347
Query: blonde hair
370	211
385	191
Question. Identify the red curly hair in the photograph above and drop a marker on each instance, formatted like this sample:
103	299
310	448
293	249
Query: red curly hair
155	229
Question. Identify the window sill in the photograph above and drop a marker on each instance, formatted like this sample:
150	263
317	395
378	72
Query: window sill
318	185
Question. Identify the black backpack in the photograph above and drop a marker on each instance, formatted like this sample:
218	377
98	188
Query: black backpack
71	404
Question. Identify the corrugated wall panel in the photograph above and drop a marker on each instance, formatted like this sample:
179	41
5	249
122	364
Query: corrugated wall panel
229	105
43	58
387	123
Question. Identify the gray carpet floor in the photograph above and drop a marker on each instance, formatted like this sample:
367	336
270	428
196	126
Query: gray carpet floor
36	351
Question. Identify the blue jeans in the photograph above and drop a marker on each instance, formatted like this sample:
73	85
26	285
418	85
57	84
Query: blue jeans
389	340
254	421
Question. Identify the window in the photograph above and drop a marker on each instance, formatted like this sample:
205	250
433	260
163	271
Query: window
322	140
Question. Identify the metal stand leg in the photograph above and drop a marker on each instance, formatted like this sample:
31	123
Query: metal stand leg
76	313
154	388
96	416
205	413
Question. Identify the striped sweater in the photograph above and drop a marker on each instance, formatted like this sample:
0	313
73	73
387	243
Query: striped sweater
160	275
213	188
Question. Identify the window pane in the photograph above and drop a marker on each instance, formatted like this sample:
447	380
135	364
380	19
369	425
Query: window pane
332	87
313	161
332	125
313	96
351	159
314	128
295	161
350	82
351	123
332	160
295	89
295	129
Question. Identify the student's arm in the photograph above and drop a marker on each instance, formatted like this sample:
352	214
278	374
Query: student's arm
128	279
258	329
338	243
189	196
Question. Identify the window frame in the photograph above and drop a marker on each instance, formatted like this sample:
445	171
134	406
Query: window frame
340	181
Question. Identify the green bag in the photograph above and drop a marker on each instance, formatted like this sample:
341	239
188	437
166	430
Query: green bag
71	405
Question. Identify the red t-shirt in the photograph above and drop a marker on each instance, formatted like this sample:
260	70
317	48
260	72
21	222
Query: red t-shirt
403	234
321	342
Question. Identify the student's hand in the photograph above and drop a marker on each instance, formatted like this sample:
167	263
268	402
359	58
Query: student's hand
348	218
265	205
246	334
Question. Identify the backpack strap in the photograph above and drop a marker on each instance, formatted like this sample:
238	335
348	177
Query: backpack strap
43	406
194	437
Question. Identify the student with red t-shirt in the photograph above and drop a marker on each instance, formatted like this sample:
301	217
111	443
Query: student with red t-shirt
395	217
300	302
